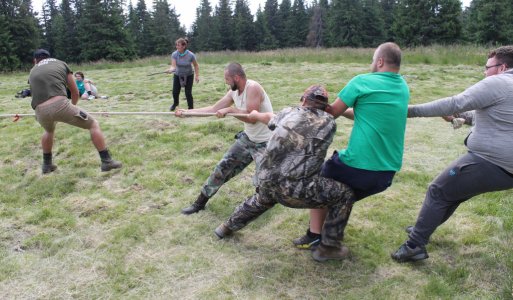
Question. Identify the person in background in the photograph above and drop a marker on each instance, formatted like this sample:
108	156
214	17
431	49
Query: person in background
48	80
86	88
182	61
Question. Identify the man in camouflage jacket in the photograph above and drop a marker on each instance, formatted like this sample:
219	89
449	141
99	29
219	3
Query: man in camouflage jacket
290	172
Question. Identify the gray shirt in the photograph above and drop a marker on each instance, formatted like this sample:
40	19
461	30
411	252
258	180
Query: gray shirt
183	62
492	99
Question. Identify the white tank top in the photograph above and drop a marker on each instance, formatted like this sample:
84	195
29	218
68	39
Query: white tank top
258	132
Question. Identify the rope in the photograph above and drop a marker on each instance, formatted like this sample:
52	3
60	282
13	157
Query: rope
143	113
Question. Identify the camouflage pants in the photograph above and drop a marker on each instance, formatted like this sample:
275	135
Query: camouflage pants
315	192
237	158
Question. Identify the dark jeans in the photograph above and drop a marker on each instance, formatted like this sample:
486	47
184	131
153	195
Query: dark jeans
464	178
188	90
363	182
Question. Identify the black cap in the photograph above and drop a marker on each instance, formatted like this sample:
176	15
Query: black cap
41	53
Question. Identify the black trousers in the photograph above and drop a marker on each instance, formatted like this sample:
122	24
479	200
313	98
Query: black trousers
188	90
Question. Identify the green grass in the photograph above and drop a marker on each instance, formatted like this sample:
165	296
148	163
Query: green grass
80	233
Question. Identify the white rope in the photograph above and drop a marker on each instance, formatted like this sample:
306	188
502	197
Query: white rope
144	113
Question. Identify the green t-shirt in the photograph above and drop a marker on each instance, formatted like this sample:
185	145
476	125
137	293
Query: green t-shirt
48	79
380	104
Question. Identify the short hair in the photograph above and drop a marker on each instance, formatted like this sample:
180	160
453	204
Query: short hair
391	53
41	54
182	41
503	55
235	69
81	74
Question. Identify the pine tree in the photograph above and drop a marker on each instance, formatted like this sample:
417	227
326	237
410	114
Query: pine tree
345	23
67	41
102	33
284	35
448	16
244	28
262	32
9	61
317	29
49	12
411	24
298	22
165	28
223	20
493	21
139	20
388	18
272	19
373	32
203	36
23	28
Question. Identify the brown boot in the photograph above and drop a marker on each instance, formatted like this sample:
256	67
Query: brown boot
198	205
324	253
222	231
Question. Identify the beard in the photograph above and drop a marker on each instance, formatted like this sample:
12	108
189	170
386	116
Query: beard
234	87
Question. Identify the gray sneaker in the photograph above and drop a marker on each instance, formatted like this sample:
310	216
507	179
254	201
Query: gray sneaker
48	168
108	165
407	254
222	231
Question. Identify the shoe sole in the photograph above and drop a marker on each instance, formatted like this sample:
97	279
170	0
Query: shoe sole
418	257
318	258
186	212
111	168
306	246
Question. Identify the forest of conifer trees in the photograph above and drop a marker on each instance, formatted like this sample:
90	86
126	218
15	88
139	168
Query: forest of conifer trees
89	30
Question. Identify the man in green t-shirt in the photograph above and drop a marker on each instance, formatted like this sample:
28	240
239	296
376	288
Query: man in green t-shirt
378	104
48	80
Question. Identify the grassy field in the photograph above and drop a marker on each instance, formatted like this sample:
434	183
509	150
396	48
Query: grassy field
80	233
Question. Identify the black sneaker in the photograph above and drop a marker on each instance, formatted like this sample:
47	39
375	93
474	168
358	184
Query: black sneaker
306	242
172	108
407	254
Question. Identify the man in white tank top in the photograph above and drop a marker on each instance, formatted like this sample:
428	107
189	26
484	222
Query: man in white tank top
244	96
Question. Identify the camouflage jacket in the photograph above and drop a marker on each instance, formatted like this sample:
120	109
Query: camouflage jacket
298	145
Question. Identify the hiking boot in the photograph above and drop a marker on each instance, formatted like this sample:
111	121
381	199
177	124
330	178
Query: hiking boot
222	231
198	205
306	242
324	253
110	164
49	168
406	254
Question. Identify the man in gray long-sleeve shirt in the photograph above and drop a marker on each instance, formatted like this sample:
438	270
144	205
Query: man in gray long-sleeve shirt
488	165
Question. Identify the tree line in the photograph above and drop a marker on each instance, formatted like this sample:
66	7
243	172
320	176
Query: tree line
91	30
